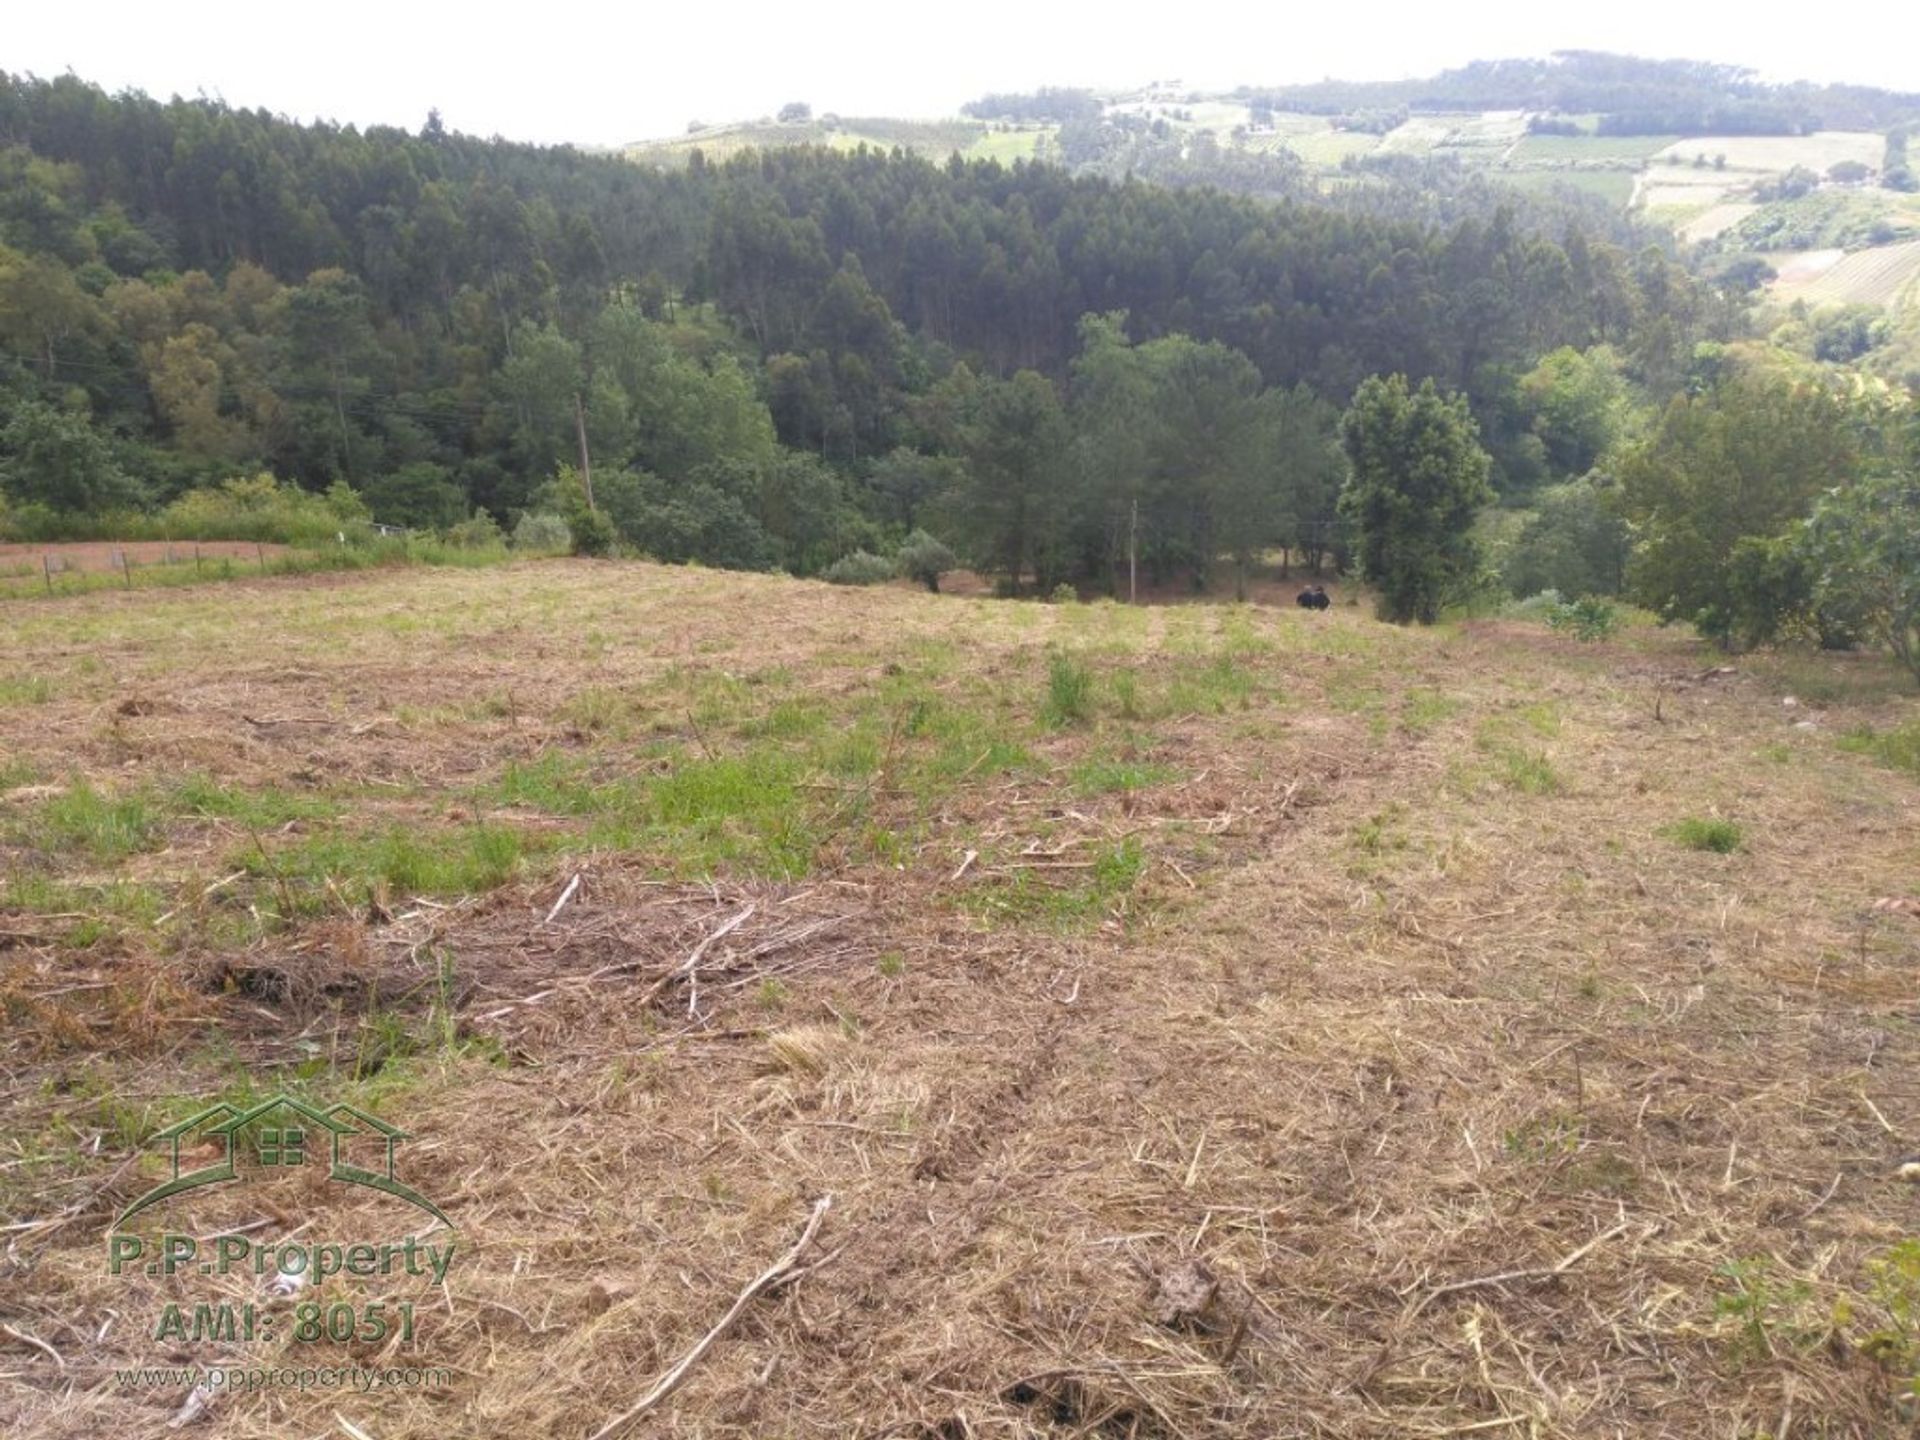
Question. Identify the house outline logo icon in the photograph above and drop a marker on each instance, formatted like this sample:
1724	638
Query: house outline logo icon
282	1146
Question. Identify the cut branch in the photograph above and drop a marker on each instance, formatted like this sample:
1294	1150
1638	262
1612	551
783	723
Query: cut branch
774	1273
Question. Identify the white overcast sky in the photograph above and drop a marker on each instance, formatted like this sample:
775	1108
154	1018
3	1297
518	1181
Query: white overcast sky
600	75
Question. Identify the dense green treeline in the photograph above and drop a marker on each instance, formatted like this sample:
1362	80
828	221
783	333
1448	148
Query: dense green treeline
1631	96
762	357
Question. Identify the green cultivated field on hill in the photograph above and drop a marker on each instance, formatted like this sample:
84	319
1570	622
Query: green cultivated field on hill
1626	149
933	138
1613	186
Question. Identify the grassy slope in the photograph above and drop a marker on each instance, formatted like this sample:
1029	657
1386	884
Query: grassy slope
1355	962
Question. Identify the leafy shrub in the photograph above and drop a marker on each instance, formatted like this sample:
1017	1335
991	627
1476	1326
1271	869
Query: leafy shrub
480	532
859	568
592	533
1896	1287
1536	607
1588	618
263	509
543	534
923	558
1064	594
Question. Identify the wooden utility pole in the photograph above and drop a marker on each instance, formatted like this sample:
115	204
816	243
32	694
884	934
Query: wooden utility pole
586	460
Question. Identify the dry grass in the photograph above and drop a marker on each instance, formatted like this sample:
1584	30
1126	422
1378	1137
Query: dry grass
1321	1069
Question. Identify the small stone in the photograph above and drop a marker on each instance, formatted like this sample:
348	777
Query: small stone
1183	1294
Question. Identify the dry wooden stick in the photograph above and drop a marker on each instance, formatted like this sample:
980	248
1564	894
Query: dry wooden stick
37	1343
565	896
688	965
1564	1264
670	1382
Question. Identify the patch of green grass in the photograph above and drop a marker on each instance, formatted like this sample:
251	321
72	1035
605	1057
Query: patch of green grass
557	784
405	861
1421	711
1898	748
24	690
744	810
1103	777
598	711
1722	837
793	720
206	798
1210	687
1069	692
1380	833
1528	771
1543	718
1096	891
33	894
103	826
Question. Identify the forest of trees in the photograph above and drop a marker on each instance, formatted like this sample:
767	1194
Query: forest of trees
189	291
810	359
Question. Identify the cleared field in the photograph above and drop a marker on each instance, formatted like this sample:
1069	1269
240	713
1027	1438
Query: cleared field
1716	220
934	138
1007	146
1419	135
1656	192
1322	146
1778	153
1209	1020
1868	277
1613	186
1621	149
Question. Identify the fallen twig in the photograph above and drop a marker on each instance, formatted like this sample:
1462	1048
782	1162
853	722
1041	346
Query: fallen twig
670	1382
1565	1263
37	1343
692	962
565	896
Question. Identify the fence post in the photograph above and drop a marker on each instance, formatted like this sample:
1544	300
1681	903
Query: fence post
46	564
126	567
260	553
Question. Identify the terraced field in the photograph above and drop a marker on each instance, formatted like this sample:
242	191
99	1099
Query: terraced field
1879	276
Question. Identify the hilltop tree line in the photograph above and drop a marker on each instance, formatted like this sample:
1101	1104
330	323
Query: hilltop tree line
1632	96
189	291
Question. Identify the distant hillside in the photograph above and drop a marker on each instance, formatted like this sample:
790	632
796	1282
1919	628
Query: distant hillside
1762	179
1630	96
933	139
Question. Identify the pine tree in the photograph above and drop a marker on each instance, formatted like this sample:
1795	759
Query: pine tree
1416	476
